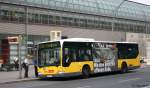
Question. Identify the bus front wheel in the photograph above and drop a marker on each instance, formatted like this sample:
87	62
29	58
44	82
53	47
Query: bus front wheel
85	71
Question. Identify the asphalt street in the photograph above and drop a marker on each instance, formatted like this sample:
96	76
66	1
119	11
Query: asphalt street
139	78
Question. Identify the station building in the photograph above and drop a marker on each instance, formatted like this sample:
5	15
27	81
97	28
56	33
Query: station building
108	20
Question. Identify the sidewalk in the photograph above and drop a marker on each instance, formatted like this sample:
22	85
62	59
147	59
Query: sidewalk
143	65
13	76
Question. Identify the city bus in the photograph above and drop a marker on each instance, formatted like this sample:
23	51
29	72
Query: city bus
83	56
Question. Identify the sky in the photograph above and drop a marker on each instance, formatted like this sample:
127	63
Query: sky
142	1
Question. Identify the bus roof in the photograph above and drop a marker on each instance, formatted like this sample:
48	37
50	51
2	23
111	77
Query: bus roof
79	39
72	40
85	40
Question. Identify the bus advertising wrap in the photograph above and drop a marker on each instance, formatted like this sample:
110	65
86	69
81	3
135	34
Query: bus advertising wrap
104	57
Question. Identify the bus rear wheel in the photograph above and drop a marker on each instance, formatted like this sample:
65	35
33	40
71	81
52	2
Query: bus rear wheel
124	68
86	71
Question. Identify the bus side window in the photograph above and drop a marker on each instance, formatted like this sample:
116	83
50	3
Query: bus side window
131	51
84	55
121	51
69	56
73	55
66	57
89	53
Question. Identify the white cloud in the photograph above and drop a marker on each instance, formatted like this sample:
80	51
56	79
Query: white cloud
142	1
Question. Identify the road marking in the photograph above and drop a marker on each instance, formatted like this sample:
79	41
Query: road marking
133	79
84	87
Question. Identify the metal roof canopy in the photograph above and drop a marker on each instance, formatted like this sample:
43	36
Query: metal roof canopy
128	10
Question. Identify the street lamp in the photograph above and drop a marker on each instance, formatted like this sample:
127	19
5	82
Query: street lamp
23	41
115	13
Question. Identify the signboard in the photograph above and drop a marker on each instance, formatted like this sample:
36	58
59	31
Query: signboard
13	40
55	35
1	61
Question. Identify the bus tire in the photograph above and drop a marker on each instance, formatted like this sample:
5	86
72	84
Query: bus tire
124	68
86	71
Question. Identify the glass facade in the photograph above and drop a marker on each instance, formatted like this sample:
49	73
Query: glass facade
88	14
127	10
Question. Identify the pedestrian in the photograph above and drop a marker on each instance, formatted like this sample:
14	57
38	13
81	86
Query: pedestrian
16	62
25	65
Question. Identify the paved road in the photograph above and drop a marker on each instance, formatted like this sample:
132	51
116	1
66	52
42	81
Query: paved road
139	78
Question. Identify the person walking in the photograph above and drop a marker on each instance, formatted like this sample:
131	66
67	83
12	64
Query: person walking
16	62
26	67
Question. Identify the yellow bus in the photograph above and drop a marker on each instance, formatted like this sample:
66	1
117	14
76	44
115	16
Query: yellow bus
83	56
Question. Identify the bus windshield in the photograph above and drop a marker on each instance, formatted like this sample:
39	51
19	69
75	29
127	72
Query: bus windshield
49	54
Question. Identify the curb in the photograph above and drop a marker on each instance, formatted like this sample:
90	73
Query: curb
19	80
